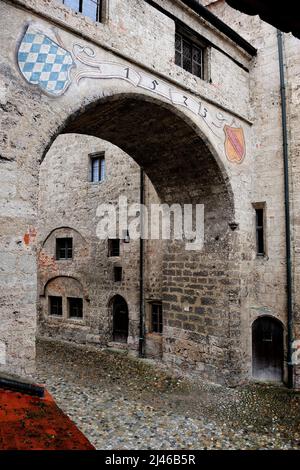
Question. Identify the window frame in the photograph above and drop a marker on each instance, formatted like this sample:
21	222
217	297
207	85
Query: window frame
101	174
196	42
69	301
99	12
66	248
159	321
260	229
50	305
118	273
111	249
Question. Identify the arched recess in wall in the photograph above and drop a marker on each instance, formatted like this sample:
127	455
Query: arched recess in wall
64	297
267	348
70	279
63	227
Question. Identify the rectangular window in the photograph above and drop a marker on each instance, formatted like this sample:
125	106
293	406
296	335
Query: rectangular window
90	8
189	53
97	168
75	307
55	305
113	247
117	273
260	242
64	248
156	317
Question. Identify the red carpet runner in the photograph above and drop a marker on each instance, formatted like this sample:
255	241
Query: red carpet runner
32	423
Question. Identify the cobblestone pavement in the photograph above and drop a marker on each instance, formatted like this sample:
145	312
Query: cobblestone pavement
120	402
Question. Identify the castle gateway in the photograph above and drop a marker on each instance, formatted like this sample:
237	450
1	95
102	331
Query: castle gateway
150	101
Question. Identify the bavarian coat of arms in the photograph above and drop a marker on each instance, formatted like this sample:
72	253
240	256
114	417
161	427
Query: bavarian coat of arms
44	63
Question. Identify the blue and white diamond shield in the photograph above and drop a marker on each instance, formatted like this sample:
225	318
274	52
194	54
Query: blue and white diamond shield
44	63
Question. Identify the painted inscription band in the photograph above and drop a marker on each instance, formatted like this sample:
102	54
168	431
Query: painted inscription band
46	63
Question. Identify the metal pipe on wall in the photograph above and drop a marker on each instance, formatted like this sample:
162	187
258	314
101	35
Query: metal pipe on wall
142	307
290	332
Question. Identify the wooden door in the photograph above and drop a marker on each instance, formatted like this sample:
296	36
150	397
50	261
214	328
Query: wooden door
267	349
120	320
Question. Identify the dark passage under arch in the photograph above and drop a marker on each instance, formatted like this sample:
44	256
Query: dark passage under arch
267	349
185	168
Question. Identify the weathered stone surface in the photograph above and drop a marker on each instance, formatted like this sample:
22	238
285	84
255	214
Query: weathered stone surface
182	152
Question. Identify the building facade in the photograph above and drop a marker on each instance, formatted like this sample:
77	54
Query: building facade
76	265
195	103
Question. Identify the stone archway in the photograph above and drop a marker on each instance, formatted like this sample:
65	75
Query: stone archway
184	169
183	164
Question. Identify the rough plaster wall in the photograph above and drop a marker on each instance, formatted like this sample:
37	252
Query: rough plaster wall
229	83
291	49
143	34
266	282
130	26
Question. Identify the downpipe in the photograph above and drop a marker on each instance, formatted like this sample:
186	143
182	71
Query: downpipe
142	306
290	332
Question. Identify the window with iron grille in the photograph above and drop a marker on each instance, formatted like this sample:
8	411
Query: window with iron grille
156	317
117	273
90	8
114	247
97	168
64	248
55	305
189	54
75	307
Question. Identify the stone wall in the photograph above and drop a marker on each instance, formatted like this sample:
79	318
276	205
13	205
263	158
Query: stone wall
68	203
265	278
173	125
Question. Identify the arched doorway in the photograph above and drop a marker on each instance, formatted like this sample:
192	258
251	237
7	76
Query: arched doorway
120	319
267	349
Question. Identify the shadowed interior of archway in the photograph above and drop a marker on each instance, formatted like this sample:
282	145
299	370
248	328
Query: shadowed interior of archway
175	158
178	161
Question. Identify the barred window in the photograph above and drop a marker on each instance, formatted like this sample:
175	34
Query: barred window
55	305
156	317
90	8
75	307
189	55
64	248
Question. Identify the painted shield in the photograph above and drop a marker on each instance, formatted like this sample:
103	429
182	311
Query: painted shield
235	146
44	63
